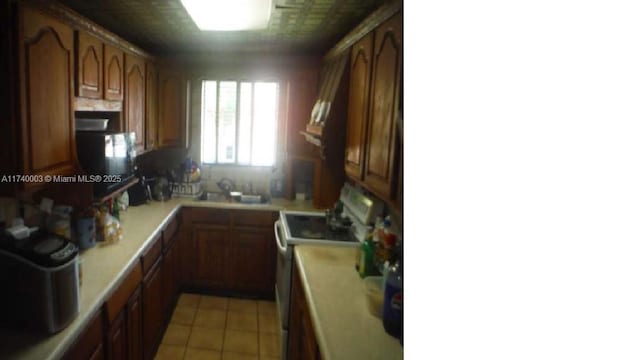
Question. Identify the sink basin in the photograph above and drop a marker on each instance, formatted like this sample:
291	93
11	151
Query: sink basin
214	197
241	199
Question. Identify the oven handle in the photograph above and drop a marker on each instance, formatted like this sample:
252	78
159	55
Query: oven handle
282	249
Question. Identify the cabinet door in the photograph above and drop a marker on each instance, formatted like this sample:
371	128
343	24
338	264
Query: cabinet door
117	338
113	72
252	255
302	338
134	98
151	105
210	245
385	86
134	325
360	75
152	309
89	344
170	278
46	66
172	109
89	69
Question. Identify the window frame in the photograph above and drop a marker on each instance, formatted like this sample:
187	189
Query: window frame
276	129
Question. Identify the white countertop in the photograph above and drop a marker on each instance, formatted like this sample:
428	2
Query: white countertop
103	268
336	297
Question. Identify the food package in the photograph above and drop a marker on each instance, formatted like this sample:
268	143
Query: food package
108	228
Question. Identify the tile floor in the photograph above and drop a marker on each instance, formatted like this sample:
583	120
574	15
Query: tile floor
218	328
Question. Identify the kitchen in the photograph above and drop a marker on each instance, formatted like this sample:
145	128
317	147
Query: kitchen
208	163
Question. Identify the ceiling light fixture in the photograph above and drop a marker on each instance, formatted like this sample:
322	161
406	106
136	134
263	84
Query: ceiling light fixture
229	15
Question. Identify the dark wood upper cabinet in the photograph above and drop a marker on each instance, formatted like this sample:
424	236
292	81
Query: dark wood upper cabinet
90	63
380	167
151	107
173	100
359	85
134	101
46	59
113	73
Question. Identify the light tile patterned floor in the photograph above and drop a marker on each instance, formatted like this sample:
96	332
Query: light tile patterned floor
206	327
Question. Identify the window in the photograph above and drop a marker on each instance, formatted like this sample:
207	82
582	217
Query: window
239	122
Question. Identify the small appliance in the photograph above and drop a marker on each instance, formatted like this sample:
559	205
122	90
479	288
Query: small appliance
40	278
108	155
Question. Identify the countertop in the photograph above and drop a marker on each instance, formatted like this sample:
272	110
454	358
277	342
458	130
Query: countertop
104	267
336	297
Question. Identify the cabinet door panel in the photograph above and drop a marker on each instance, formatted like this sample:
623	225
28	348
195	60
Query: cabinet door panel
153	314
117	339
47	65
170	277
134	99
381	139
89	69
113	72
172	109
210	244
98	354
89	344
134	325
358	105
151	112
251	260
302	338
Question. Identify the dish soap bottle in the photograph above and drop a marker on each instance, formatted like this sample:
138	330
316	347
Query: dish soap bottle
367	251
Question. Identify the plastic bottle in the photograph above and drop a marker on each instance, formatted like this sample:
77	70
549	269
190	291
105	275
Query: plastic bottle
367	250
392	310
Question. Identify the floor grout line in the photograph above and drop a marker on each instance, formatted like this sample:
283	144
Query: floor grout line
258	333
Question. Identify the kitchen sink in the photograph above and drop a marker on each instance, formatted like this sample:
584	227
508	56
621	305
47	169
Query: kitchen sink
220	197
214	197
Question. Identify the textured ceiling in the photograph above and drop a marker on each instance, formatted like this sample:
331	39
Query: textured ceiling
163	26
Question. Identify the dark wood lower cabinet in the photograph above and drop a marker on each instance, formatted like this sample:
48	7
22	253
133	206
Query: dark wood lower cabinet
134	325
153	314
219	250
171	276
234	253
90	343
251	255
302	338
117	337
209	255
124	337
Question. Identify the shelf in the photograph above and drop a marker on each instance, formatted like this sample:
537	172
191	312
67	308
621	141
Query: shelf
126	186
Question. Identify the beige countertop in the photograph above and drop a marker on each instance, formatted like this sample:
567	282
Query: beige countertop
103	268
337	301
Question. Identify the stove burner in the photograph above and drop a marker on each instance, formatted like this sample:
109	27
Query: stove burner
311	234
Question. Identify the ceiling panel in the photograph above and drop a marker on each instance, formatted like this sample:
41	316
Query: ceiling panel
296	26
